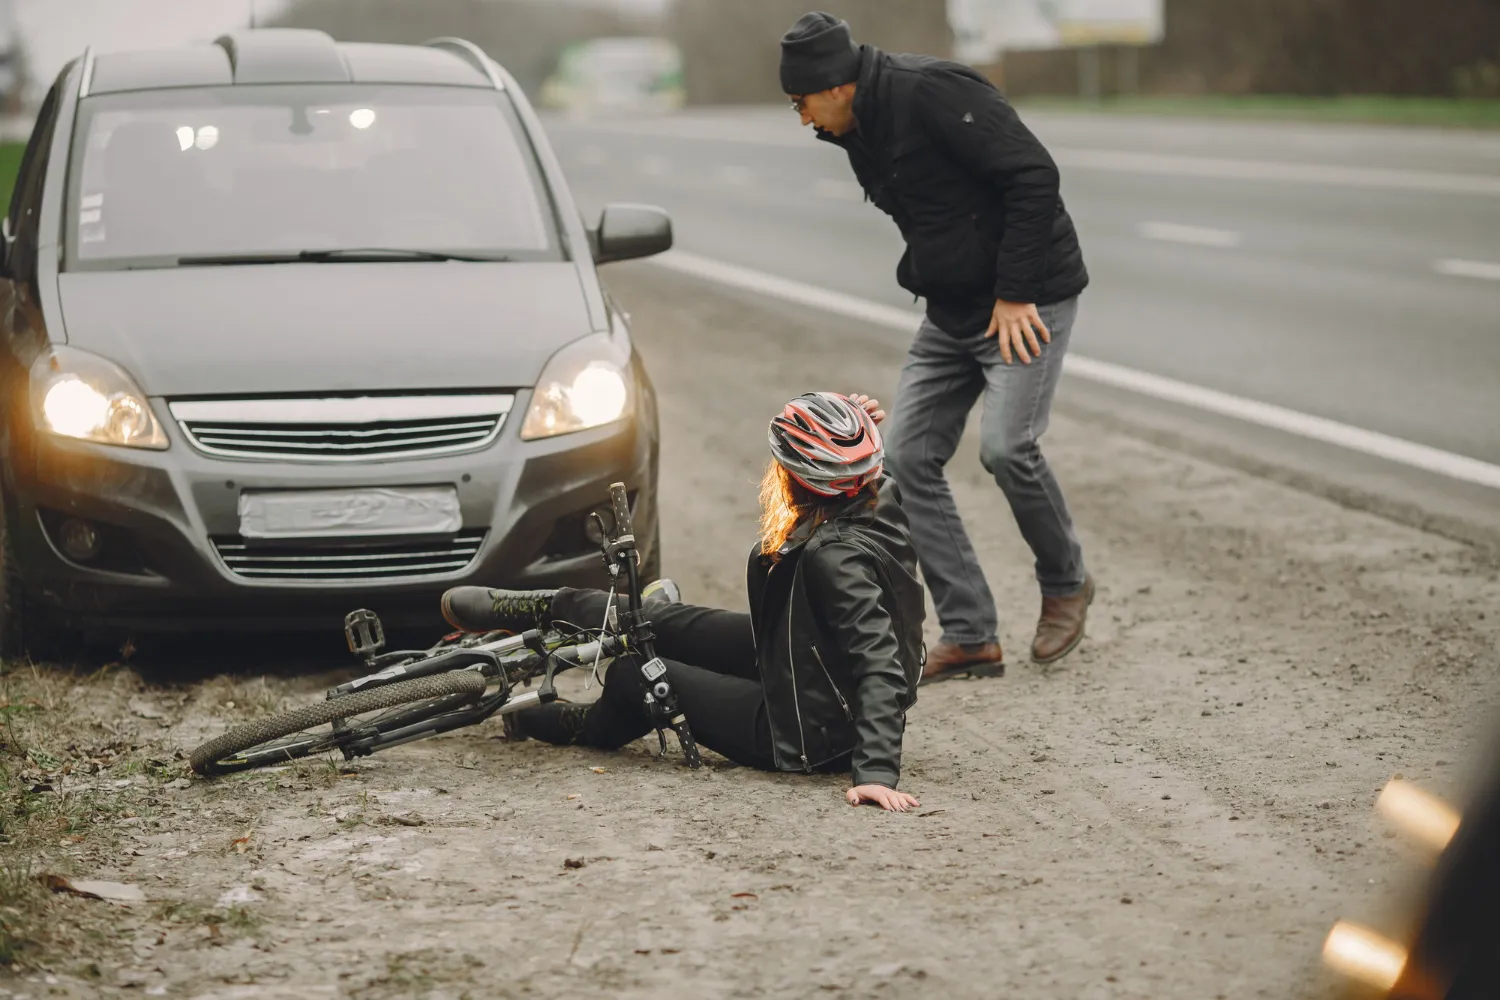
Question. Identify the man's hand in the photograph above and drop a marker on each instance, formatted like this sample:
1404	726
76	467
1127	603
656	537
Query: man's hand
871	405
1017	324
886	798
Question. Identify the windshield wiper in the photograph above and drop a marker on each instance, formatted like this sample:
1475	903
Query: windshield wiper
342	255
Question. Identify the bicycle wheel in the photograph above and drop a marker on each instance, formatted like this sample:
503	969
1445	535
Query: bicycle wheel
302	732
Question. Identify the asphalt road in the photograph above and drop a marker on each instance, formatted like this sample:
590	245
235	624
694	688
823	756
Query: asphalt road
1350	273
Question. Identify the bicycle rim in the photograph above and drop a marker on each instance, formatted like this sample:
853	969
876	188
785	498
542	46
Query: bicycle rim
305	732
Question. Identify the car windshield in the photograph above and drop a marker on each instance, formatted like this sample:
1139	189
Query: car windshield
272	171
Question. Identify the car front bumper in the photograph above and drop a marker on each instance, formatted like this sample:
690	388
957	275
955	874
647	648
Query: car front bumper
163	517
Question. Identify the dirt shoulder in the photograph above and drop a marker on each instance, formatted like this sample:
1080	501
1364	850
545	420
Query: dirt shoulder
1180	809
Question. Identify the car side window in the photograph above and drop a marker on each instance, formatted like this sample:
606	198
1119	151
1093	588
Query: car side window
26	199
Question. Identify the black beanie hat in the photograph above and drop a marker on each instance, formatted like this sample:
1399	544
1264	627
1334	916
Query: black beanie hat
818	54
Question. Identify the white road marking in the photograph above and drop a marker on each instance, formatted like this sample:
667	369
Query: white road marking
1171	232
1430	181
1468	268
1392	449
1121	161
653	166
827	187
735	176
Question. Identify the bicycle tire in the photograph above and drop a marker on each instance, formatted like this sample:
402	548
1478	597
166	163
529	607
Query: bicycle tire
217	756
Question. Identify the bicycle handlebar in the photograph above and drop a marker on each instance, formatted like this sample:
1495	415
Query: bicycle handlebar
620	500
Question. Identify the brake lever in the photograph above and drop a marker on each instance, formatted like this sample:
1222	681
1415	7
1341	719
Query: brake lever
604	546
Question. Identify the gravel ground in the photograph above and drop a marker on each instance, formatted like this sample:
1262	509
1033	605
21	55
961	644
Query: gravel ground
1180	809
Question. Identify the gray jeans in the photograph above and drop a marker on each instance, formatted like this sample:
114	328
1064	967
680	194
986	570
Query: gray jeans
943	378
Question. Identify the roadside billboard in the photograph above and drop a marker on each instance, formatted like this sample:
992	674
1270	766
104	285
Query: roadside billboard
983	29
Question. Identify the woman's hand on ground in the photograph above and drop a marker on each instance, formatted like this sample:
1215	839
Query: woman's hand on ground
871	406
886	798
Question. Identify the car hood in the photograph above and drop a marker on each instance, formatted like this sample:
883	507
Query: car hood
296	328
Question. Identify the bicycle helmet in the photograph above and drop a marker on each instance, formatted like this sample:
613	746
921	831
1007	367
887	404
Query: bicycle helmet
828	443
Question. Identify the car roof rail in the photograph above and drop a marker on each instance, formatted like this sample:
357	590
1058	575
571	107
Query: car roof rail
471	54
87	80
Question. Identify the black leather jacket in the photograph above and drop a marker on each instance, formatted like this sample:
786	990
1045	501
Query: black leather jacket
838	635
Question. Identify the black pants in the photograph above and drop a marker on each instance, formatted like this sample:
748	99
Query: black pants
710	660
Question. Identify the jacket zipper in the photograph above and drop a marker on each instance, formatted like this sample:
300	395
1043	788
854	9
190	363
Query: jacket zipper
755	642
836	692
791	662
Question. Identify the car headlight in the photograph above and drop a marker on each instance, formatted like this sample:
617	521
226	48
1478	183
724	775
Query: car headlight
586	384
80	395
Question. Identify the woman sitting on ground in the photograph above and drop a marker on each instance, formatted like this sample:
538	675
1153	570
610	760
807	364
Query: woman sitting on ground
819	675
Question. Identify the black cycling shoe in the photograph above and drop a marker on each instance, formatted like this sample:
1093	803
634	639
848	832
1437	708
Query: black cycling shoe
557	722
480	609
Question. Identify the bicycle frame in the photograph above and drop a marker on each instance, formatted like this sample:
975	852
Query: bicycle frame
513	659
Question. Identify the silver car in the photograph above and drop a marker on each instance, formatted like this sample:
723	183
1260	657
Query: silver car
294	326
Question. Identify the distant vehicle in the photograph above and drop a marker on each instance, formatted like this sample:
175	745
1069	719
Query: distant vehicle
295	325
617	74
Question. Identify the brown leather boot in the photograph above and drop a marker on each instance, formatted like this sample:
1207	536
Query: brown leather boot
1061	626
948	659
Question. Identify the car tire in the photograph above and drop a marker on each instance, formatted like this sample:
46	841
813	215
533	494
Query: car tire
23	632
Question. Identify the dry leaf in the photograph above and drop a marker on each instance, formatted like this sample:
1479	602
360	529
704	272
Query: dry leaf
117	892
572	797
743	895
241	844
597	770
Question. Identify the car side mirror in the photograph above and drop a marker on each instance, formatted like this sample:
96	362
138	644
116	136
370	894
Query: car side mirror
627	232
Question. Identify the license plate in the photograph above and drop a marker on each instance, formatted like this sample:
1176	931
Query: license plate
412	510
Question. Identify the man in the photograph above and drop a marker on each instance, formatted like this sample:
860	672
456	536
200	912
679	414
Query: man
991	248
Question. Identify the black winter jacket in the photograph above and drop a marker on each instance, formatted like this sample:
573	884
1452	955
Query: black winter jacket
973	192
838	636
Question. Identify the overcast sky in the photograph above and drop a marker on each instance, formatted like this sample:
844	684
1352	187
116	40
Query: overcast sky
57	30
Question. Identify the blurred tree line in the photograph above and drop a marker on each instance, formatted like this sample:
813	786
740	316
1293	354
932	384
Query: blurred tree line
1309	47
524	36
731	47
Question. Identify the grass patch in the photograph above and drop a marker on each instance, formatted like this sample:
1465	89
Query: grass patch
24	907
10	166
235	919
1379	110
73	766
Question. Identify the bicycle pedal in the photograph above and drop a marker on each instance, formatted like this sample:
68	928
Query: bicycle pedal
364	633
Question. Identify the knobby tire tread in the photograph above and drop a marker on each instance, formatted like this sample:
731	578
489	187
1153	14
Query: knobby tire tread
206	759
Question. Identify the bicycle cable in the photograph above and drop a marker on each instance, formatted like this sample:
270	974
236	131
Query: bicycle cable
609	605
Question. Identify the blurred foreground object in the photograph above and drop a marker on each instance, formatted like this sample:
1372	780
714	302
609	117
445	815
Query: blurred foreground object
617	74
1450	951
1420	815
1363	955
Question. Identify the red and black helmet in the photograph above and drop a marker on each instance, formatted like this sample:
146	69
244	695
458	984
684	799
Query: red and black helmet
828	443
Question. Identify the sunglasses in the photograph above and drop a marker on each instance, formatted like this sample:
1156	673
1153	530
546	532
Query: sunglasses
798	104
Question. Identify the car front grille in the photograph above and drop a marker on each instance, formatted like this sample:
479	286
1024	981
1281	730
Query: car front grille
373	560
342	429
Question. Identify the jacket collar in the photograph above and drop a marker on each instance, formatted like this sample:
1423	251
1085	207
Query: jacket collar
856	508
866	100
